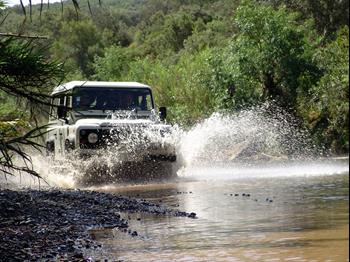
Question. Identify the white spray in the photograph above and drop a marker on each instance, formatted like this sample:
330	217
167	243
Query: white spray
263	134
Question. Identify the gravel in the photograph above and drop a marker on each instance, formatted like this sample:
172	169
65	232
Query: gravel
53	225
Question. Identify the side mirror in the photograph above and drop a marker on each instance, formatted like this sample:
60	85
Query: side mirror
162	113
61	111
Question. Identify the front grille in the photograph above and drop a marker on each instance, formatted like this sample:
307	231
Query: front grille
110	137
115	137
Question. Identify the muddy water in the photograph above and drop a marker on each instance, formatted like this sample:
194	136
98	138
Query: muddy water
289	212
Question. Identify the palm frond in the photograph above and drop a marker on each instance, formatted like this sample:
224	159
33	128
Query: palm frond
12	147
25	73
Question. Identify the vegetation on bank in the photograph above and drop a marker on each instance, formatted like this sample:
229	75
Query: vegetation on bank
203	56
25	76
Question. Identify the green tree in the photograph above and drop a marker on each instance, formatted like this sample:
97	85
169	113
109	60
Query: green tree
325	107
269	54
77	44
114	65
213	34
177	86
329	15
167	34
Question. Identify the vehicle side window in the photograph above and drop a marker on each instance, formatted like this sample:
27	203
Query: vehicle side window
149	104
144	102
58	101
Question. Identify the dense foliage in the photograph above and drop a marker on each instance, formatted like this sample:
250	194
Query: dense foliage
204	56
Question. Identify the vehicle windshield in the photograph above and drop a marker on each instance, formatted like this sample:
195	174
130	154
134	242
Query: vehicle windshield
112	99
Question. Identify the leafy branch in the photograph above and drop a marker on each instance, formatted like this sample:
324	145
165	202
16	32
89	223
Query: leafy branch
25	74
9	148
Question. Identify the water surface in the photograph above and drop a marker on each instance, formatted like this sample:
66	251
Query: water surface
289	212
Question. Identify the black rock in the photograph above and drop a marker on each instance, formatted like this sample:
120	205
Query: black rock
192	215
78	255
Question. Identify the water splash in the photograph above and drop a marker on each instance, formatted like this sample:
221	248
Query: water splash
263	133
283	169
240	141
122	160
261	142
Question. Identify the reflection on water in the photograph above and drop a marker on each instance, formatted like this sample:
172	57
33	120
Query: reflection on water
250	218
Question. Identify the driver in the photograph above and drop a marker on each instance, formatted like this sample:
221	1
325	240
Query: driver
128	102
86	101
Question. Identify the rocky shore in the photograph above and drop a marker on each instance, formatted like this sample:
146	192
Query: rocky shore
52	225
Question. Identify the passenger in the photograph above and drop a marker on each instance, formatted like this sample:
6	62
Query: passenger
112	102
128	102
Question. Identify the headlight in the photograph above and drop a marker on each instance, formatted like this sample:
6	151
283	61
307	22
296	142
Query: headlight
92	138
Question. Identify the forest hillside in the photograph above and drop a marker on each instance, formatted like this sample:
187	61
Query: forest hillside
200	56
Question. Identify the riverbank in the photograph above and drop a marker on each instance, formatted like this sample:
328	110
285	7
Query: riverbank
53	225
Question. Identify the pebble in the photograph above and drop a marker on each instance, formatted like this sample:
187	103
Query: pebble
192	215
52	225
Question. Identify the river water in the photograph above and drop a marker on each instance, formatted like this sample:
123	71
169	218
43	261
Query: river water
260	189
293	211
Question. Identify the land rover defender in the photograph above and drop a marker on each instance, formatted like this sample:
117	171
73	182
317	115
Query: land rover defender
89	118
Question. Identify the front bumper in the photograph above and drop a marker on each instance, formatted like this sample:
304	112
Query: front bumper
126	143
134	153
